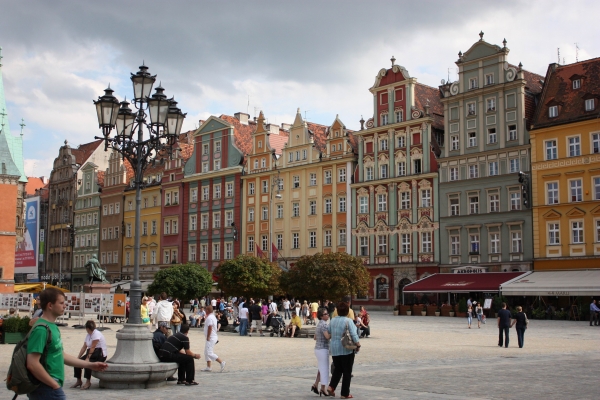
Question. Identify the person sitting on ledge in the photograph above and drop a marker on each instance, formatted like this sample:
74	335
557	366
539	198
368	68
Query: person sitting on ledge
293	329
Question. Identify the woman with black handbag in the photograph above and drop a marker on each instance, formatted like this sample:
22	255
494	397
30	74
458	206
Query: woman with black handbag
344	344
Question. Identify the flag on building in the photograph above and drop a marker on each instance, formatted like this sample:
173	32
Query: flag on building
259	252
275	252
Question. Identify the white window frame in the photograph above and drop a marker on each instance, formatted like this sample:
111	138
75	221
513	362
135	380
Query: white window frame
426	242
553	233
550	149
552	193
574	146
577	232
363	205
472	139
575	190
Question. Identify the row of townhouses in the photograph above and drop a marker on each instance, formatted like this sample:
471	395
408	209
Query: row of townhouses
498	171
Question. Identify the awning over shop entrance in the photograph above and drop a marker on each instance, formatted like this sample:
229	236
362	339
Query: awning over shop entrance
555	283
462	283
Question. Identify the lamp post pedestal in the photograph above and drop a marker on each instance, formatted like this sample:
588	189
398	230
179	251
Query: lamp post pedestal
134	364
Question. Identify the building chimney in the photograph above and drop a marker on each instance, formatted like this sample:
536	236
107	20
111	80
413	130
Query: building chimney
285	127
242	117
272	128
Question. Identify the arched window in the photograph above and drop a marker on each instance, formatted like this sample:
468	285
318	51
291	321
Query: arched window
382	288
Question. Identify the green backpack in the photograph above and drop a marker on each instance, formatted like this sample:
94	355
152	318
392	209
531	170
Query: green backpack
19	379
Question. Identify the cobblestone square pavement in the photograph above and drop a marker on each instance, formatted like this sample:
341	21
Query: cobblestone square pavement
405	358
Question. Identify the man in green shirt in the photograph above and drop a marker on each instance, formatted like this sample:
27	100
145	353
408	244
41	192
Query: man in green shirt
52	373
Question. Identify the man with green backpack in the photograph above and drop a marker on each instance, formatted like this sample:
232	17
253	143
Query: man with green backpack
37	368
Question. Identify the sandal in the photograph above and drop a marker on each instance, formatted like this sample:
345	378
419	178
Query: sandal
193	383
331	392
347	397
76	385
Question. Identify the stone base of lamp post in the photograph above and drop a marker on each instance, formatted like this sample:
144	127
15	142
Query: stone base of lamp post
134	364
98	288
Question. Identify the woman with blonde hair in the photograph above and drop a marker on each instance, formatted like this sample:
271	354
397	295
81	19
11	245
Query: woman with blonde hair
521	322
144	312
305	312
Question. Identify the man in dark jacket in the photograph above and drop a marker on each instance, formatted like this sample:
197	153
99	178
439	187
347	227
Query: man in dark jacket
255	311
504	323
170	352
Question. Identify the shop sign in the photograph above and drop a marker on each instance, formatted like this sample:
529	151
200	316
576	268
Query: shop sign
558	293
469	270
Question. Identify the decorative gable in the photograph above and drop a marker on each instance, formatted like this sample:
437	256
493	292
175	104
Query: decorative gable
575	212
552	214
595	211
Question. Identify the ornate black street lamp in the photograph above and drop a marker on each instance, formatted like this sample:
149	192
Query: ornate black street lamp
142	138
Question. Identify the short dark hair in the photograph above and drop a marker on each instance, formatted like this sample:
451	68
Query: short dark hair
184	328
503	305
91	325
49	296
163	296
342	309
320	312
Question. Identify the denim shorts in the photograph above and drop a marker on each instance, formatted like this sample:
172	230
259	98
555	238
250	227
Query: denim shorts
45	392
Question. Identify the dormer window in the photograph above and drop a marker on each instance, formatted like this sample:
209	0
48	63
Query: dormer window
576	83
473	83
590	104
553	111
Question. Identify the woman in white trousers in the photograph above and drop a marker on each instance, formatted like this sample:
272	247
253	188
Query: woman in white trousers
322	352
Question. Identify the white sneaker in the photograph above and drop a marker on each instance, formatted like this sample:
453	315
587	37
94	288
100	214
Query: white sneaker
206	369
223	366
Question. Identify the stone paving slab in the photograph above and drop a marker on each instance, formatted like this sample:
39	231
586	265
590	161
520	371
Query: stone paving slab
405	358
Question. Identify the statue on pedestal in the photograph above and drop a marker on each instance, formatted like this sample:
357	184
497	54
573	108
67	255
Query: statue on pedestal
95	271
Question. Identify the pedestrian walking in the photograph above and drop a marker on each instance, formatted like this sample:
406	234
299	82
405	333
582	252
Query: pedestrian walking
305	312
504	324
177	318
322	337
286	309
521	325
243	319
469	316
255	316
94	349
479	313
210	332
594	312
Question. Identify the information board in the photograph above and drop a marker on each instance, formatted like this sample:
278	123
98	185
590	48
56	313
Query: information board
20	301
487	304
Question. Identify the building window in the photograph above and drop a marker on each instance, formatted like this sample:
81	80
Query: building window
216	251
553	233
473	83
493	168
590	104
313	180
369	173
228	218
342	175
474	244
399	116
328	207
401	142
251	188
229	189
217	189
551	150
194	195
576	83
381	202
327	237
514	165
553	111
342	237
382	245
494	203
516	242
204	251
405	243
552	192
312	207
128	230
104	234
192	252
296	181
454	206
494	243
251	243
193	222
454	142
453	173
454	245
492	137
512	132
363	205
383	171
515	200
489	79
265	186
384	119
217	220
295	209
280	184
426	198
167	228
304	154
205	148
576	190
472	139
416	166
401	168
204	221
256	164
205	192
204	167
577	232
279	241
295	240
152	257
312	239
144	258
144	228
264	242
425	242
228	251
342	204
596	188
104	210
279	211
491	104
574	146
364	245
473	204
471	109
251	214
153	227
327	178
265	213
404	200
473	171
127	258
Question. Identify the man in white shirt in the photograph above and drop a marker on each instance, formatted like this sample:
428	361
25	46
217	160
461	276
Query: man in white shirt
286	309
272	306
210	331
163	311
243	319
213	303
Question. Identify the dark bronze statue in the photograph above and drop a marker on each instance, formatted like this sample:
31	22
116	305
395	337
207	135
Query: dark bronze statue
95	271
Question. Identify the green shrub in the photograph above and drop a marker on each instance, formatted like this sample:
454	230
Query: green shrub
462	305
11	325
24	325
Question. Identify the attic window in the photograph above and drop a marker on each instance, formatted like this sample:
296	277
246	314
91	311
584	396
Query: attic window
590	104
553	111
576	83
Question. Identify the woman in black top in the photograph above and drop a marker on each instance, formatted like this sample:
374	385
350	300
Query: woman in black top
521	323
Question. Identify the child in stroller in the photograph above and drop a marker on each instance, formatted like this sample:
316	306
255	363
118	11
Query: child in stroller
278	325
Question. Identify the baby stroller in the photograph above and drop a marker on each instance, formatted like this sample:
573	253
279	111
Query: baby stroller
278	326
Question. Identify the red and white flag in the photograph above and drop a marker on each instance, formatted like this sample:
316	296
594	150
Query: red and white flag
259	252
275	252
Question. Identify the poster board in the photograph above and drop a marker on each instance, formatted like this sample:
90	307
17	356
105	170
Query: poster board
73	303
113	305
91	303
487	304
20	301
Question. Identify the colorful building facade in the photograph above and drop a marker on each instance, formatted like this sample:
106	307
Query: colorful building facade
395	188
565	142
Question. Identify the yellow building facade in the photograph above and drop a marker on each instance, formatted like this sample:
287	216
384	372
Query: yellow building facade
296	200
565	144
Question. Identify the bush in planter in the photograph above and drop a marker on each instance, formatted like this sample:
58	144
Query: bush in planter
462	306
395	308
24	325
11	325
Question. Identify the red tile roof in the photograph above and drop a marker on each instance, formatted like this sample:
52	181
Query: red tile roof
558	90
101	178
242	133
319	133
34	184
427	95
84	151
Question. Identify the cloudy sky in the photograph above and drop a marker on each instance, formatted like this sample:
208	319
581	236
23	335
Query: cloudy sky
215	57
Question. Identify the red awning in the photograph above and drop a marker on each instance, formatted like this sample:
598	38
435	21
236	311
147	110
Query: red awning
455	283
